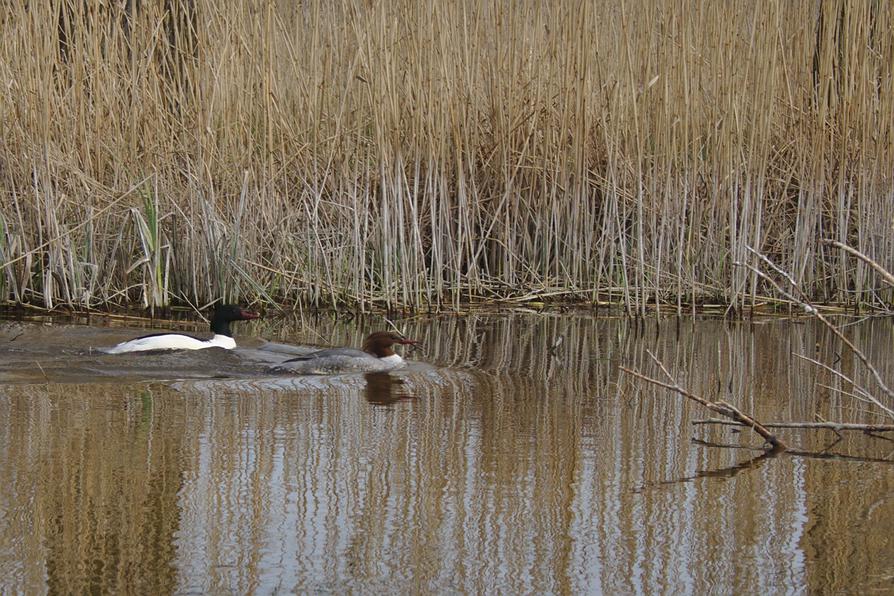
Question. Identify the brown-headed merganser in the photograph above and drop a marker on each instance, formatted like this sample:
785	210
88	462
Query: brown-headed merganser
377	355
220	328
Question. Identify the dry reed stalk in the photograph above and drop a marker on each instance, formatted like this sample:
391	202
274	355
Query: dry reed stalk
425	153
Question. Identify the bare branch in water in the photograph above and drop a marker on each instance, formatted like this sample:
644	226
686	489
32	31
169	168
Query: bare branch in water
721	407
886	275
835	426
797	295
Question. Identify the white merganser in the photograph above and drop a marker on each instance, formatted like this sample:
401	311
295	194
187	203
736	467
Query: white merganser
375	356
220	328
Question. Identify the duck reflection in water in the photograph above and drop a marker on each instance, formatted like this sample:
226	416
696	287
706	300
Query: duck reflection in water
383	390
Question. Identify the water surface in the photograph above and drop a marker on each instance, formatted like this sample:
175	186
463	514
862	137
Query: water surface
495	463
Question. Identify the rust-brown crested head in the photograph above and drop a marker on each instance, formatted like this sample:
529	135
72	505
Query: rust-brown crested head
379	343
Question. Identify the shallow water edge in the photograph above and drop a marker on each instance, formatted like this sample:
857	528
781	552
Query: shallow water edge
500	461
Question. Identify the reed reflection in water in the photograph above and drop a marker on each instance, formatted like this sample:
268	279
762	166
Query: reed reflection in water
505	466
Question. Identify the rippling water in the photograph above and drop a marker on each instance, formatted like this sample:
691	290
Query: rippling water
493	464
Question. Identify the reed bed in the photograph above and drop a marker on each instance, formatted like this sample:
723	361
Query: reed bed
423	154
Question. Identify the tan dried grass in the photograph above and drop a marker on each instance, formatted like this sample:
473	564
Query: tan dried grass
421	153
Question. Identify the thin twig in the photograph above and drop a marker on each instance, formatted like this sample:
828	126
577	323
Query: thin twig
805	303
886	275
862	391
721	407
836	426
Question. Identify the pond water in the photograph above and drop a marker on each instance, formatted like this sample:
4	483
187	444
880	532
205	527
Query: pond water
497	462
